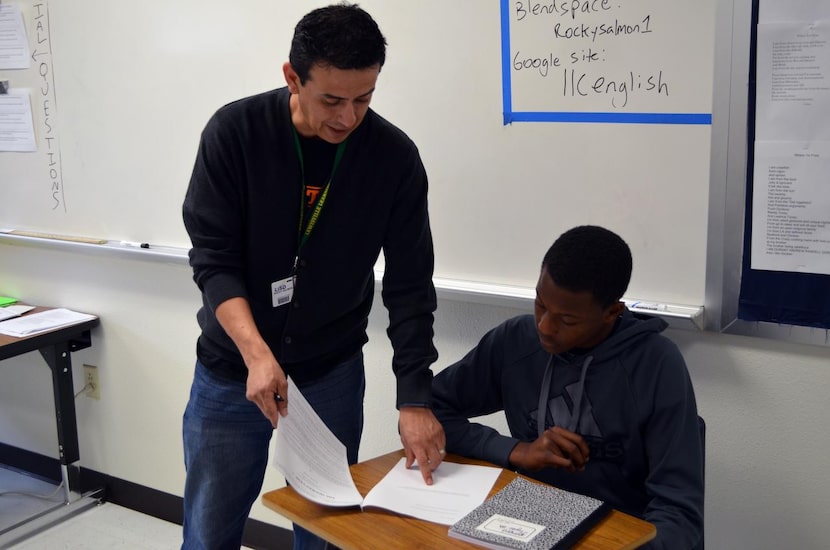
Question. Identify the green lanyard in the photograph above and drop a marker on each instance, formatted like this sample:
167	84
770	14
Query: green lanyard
318	207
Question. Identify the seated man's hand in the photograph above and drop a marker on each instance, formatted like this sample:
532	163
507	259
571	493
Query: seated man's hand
555	448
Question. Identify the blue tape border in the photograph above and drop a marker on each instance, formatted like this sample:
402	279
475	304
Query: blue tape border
614	118
507	99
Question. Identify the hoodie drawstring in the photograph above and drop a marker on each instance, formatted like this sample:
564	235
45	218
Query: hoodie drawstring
580	390
544	392
542	411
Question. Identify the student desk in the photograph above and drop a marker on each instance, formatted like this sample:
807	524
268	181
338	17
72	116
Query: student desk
55	346
377	529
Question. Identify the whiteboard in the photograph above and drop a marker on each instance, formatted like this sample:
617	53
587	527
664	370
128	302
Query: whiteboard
135	82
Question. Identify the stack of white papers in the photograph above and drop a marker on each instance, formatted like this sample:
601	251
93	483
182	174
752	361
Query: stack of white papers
456	490
314	462
9	312
43	321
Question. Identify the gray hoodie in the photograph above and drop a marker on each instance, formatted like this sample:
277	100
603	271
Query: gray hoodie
630	398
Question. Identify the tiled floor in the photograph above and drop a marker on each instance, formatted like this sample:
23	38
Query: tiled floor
104	526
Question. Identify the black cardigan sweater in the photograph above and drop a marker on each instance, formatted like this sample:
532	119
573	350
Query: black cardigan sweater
242	212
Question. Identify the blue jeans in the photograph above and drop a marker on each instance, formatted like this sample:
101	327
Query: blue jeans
226	441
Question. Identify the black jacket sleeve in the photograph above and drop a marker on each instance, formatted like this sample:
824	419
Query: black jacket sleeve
408	292
471	388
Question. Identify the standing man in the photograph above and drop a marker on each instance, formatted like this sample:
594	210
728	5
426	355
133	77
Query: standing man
293	196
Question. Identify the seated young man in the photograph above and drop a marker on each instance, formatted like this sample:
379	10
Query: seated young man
598	402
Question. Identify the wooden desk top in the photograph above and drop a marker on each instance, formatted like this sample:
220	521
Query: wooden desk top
377	529
11	346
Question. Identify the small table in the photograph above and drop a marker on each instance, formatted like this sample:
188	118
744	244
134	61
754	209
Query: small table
377	529
55	346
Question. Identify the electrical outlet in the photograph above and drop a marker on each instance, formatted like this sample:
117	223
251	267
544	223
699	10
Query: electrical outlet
93	390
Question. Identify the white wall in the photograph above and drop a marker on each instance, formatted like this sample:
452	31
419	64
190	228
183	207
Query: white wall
120	156
764	401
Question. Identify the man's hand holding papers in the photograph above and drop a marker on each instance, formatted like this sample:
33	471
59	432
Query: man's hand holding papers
311	458
314	463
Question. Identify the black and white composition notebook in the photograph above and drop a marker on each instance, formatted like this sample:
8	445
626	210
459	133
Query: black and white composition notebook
530	516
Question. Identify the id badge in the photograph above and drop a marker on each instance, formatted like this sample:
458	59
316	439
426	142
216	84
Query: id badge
282	291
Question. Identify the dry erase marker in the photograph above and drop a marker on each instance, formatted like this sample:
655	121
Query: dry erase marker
135	244
649	305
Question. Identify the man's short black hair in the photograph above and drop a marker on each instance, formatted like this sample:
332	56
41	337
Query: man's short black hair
590	258
342	36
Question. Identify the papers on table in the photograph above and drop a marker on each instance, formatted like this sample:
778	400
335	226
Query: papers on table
314	463
9	312
43	321
455	491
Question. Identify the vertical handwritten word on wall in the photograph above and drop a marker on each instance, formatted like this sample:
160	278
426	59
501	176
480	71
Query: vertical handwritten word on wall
42	56
609	55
